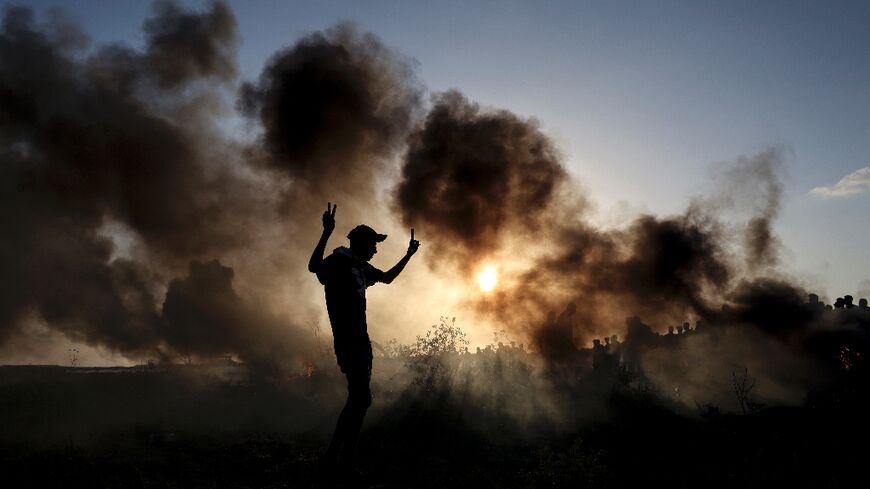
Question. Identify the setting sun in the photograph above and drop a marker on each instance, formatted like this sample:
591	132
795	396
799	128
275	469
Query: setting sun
487	278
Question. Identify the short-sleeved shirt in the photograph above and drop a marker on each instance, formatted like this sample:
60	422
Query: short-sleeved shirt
345	278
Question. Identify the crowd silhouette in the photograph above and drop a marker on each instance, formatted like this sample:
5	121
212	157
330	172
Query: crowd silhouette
812	319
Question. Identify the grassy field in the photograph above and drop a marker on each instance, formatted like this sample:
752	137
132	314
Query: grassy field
191	427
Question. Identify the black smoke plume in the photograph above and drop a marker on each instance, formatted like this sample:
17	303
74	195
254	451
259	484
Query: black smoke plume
204	316
470	176
480	181
752	185
487	185
334	107
120	139
184	45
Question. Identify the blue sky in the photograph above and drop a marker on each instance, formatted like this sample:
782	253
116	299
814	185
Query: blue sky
643	97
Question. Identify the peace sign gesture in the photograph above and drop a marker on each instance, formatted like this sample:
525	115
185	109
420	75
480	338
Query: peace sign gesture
329	217
413	244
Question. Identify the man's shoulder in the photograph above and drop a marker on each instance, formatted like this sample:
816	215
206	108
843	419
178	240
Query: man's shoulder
331	265
339	264
339	260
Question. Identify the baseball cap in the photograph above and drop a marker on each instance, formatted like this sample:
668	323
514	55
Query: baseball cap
365	233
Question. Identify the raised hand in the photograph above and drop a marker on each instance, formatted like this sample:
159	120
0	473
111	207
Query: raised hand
329	217
413	244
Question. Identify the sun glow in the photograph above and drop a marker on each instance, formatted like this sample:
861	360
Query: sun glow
487	278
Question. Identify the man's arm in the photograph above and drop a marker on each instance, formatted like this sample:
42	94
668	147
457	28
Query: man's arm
328	226
394	272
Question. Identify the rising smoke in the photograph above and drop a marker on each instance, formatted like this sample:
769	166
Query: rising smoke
107	135
113	137
471	177
334	107
482	180
487	183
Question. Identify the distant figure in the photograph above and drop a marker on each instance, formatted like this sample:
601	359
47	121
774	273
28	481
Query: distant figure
814	304
604	359
840	303
638	338
555	339
346	274
847	302
543	338
599	356
862	303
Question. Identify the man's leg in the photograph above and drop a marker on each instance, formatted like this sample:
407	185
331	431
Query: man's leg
347	429
359	398
331	457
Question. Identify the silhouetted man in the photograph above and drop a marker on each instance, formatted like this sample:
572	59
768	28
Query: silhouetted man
345	275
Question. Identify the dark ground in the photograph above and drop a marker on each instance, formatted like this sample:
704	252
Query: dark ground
174	429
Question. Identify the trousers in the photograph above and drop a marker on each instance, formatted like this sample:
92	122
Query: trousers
359	398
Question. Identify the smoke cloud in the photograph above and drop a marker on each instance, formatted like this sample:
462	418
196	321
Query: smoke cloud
184	45
488	185
471	176
121	137
480	180
203	315
754	185
334	107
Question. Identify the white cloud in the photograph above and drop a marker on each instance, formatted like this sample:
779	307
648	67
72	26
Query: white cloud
854	183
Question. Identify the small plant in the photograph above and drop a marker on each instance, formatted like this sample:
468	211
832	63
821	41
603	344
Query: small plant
743	385
444	337
432	357
500	336
394	349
